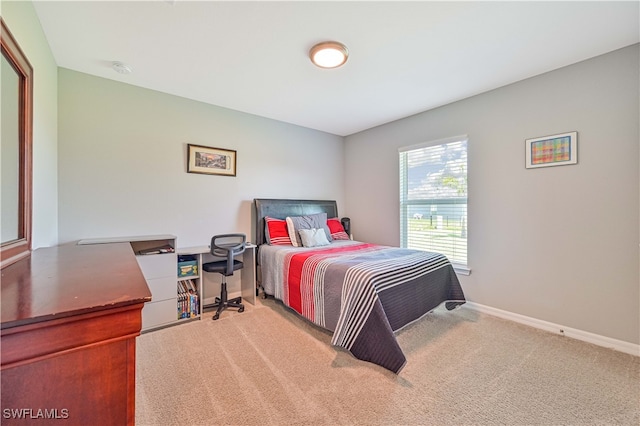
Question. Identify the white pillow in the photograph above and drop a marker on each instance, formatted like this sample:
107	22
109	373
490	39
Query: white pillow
313	237
310	221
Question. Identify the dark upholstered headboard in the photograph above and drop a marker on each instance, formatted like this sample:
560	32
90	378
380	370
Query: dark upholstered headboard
280	209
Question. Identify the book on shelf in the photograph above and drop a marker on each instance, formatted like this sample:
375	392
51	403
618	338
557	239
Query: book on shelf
188	299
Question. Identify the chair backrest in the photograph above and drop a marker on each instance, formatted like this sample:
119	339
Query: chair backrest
228	246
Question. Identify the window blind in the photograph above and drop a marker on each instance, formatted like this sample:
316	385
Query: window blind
433	198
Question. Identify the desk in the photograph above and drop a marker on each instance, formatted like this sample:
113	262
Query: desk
248	272
70	317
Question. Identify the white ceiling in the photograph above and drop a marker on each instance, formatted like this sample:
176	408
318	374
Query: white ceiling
405	57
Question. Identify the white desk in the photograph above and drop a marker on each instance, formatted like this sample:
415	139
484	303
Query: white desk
160	273
247	273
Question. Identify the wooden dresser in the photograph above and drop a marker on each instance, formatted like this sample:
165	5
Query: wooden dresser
70	317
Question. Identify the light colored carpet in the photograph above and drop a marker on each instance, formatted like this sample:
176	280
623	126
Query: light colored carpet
267	366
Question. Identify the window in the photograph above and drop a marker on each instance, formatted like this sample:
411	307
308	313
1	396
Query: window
433	198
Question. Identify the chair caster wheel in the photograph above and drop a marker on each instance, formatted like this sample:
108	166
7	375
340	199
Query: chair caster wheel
216	316
241	309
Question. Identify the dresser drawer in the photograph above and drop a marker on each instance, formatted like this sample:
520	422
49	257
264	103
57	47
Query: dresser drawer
158	265
155	314
163	288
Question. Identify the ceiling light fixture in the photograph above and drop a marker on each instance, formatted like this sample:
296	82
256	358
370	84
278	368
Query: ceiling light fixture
329	54
121	68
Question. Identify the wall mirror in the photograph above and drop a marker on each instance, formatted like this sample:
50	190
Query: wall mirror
16	130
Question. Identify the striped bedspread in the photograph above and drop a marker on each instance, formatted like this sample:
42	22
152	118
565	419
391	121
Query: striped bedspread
363	293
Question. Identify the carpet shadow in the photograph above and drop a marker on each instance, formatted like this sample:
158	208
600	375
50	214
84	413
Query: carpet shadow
412	338
432	326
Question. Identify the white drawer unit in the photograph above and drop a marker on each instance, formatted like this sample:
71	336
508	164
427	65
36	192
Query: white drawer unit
158	261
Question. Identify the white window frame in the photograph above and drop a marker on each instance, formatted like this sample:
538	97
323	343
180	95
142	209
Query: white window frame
459	267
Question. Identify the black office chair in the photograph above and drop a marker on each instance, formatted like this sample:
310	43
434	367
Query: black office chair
227	246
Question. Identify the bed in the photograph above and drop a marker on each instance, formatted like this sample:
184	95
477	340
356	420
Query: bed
363	293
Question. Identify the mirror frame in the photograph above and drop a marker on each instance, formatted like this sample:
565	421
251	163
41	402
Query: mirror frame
12	251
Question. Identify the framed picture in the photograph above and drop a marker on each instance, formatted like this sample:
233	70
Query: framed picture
555	150
211	161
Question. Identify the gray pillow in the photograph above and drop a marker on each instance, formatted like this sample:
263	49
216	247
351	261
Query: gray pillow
311	221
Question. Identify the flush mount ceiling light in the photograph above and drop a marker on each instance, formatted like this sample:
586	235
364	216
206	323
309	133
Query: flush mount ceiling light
329	54
121	68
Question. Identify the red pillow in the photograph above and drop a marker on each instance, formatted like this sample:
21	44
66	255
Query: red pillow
276	232
337	231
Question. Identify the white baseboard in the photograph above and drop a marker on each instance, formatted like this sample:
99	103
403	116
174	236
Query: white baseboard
596	339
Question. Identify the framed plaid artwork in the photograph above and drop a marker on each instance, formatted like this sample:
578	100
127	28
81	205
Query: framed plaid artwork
555	150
